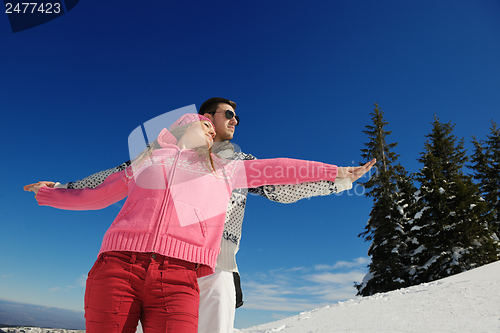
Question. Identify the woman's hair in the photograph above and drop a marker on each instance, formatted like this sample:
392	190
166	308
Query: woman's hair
177	132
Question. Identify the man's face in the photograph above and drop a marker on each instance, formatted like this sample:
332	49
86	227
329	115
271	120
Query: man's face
224	128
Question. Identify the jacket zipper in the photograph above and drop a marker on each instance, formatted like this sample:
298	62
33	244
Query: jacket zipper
165	202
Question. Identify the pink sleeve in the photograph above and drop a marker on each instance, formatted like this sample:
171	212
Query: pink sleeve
282	171
112	190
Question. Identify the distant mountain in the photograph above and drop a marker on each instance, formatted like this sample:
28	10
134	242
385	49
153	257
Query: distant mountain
17	314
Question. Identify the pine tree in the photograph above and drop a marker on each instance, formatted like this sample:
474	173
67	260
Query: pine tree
486	166
385	227
451	232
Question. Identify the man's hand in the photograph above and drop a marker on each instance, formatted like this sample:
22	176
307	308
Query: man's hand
36	186
355	173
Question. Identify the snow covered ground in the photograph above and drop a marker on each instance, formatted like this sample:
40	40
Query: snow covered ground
467	302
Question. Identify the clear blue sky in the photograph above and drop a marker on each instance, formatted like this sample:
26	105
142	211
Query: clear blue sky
305	76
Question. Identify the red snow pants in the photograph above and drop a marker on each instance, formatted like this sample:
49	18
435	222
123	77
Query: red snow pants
125	287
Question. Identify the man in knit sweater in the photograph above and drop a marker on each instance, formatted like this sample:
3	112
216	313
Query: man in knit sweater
220	293
217	290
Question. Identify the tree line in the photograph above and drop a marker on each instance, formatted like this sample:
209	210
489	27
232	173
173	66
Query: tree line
436	222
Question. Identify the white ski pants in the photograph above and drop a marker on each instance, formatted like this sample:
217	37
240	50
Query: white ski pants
217	302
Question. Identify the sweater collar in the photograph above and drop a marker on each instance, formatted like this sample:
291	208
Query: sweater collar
221	146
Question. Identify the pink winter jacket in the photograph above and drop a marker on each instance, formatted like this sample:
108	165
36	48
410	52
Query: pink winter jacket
176	205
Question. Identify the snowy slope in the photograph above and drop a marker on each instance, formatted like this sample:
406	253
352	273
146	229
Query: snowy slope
466	302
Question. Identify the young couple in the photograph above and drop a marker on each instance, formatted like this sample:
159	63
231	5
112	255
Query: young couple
168	258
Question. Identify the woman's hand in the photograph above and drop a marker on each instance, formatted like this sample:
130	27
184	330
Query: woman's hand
355	173
36	186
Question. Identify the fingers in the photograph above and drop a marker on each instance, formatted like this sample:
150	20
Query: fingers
31	187
365	168
355	173
28	187
360	171
369	164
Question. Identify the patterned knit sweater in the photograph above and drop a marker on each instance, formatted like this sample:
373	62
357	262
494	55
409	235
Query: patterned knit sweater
236	208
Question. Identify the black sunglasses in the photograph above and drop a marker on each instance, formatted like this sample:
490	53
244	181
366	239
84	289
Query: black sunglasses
229	115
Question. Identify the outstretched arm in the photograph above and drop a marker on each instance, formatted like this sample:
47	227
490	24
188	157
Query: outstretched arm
293	193
91	181
95	179
281	171
112	190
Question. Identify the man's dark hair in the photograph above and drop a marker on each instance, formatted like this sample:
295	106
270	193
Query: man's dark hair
211	104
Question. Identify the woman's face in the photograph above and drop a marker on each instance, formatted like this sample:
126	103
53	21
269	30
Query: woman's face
200	133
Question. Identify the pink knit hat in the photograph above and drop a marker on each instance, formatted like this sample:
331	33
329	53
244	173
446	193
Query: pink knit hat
165	138
188	119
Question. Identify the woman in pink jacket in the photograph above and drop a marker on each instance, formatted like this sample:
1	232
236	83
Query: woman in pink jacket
168	232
